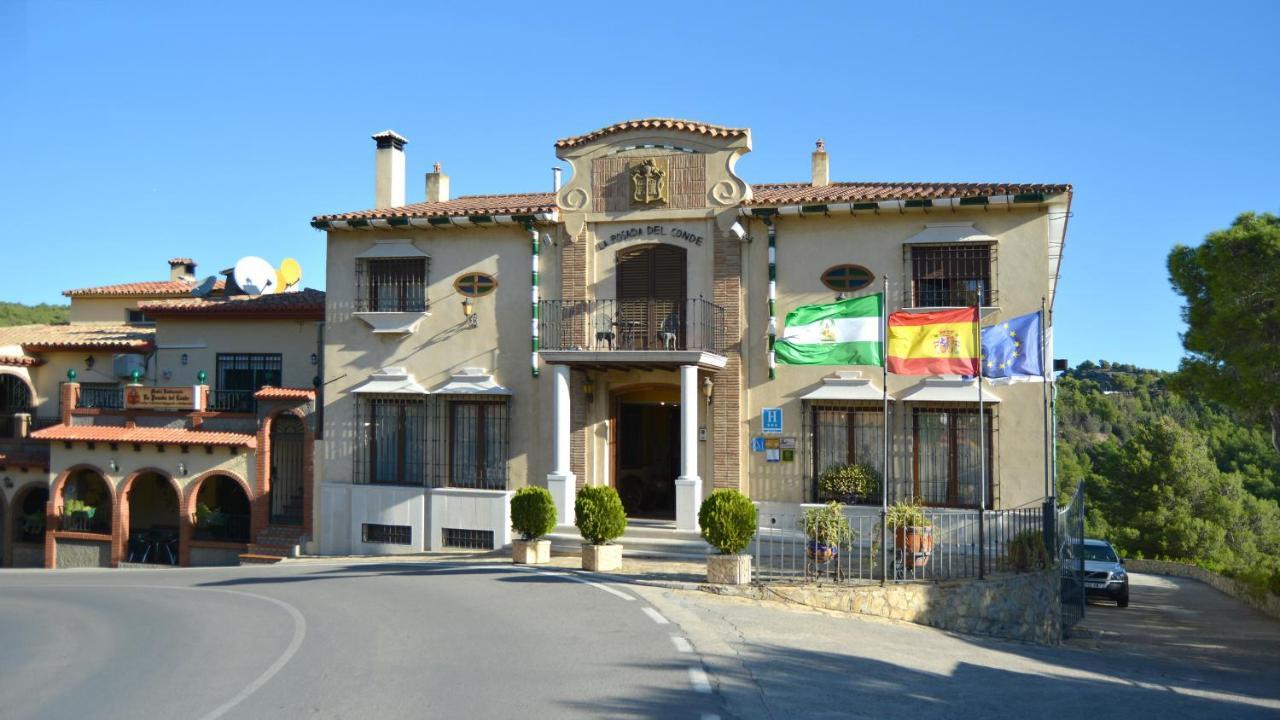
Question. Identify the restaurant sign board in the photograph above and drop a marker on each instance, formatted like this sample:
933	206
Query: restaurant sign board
138	397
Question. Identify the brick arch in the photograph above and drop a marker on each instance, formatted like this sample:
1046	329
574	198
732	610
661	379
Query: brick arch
10	508
260	503
120	521
193	488
53	509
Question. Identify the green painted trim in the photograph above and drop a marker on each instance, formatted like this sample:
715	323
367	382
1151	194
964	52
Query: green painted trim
975	201
359	223
320	224
398	221
764	212
918	203
866	206
528	220
813	208
1029	198
439	221
480	219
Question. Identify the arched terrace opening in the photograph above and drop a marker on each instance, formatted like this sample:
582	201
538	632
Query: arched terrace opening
288	482
152	522
26	526
221	510
86	503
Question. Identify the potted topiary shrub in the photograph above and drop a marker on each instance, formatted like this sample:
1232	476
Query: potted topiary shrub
850	484
600	518
912	533
533	514
825	529
728	520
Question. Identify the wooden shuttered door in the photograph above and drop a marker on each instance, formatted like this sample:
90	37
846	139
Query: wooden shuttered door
651	296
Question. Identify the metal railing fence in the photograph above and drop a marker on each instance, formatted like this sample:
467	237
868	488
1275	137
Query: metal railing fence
237	401
631	324
101	397
1069	537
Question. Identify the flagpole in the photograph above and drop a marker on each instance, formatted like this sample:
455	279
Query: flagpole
1044	401
982	444
884	389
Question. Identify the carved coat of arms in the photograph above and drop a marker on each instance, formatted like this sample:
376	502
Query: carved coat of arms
649	181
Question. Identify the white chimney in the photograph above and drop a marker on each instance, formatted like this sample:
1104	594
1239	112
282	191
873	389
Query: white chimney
389	169
437	185
821	165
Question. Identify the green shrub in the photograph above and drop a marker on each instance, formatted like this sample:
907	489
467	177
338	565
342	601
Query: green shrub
907	514
827	525
853	483
728	520
533	512
599	515
1027	551
71	507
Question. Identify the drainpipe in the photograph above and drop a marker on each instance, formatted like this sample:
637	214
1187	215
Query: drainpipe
533	326
773	294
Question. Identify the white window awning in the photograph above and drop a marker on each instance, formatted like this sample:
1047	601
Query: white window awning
472	381
948	234
846	385
392	249
391	381
947	389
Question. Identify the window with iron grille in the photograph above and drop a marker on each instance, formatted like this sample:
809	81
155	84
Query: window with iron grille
945	455
391	440
847	434
477	444
387	534
950	275
240	375
391	284
467	539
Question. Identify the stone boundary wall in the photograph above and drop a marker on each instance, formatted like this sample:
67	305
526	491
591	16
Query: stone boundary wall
1266	603
1025	607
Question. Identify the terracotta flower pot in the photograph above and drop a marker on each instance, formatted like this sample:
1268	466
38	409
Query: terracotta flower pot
915	542
820	552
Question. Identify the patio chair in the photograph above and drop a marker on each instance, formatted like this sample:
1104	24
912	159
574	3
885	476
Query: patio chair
669	332
604	330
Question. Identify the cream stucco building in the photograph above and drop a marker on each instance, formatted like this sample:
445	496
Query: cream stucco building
617	331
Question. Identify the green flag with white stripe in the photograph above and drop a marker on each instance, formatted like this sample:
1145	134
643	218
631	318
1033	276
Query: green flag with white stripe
847	332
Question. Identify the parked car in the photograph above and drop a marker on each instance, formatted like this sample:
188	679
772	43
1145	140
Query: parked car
1104	574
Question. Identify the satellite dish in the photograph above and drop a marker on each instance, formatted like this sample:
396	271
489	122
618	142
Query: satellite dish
289	277
254	275
206	287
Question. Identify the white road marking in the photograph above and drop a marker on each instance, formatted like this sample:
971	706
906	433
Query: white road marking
655	616
710	716
575	578
699	680
681	644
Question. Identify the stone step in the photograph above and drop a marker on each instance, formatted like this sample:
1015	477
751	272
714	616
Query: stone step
280	551
250	558
672	546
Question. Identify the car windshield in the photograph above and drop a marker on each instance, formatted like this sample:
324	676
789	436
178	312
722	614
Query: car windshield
1099	553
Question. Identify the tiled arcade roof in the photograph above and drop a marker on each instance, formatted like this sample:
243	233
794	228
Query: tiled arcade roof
147	435
305	304
285	393
78	336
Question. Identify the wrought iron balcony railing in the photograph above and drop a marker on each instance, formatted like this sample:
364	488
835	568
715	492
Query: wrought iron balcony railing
632	324
237	401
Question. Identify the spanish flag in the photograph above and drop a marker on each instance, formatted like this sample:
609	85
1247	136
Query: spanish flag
934	343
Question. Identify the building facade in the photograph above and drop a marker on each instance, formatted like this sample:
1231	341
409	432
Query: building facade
617	331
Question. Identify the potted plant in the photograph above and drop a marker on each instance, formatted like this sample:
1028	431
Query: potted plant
1027	551
825	529
212	521
77	515
728	521
851	484
600	518
533	514
912	533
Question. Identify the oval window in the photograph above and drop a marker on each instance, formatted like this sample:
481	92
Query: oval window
847	278
475	284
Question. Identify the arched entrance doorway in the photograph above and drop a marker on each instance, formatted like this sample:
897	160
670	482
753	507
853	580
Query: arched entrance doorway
153	522
651	298
26	527
221	510
288	443
15	397
646	453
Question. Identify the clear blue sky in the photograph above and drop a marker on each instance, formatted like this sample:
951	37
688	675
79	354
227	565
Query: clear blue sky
137	131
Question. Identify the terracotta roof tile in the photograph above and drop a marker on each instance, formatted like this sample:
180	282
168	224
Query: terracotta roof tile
181	261
20	361
306	303
689	126
157	436
801	193
284	393
34	338
148	288
514	204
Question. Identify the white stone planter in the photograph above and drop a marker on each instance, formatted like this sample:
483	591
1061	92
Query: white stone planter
530	552
729	569
601	558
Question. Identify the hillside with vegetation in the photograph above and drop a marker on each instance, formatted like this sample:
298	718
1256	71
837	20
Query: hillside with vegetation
1168	474
18	314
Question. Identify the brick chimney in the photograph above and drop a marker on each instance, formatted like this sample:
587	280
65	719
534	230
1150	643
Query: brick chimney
821	165
389	169
437	185
183	269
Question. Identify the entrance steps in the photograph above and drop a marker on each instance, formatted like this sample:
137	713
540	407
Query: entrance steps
274	544
643	538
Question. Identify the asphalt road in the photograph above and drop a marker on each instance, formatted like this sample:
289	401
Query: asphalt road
341	641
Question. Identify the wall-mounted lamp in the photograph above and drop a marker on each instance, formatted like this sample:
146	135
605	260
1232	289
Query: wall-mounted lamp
167	373
469	312
89	362
182	468
839	296
112	464
589	389
708	389
184	359
315	359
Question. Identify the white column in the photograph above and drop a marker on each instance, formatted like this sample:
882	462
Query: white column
561	481
688	485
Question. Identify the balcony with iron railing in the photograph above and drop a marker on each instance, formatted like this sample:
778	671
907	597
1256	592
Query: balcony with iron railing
643	324
101	398
236	401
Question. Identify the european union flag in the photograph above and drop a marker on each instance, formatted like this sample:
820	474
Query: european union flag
1012	349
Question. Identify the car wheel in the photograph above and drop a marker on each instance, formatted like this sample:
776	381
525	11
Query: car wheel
1123	599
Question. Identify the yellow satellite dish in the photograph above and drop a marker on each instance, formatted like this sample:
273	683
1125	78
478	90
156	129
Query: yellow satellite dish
289	276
